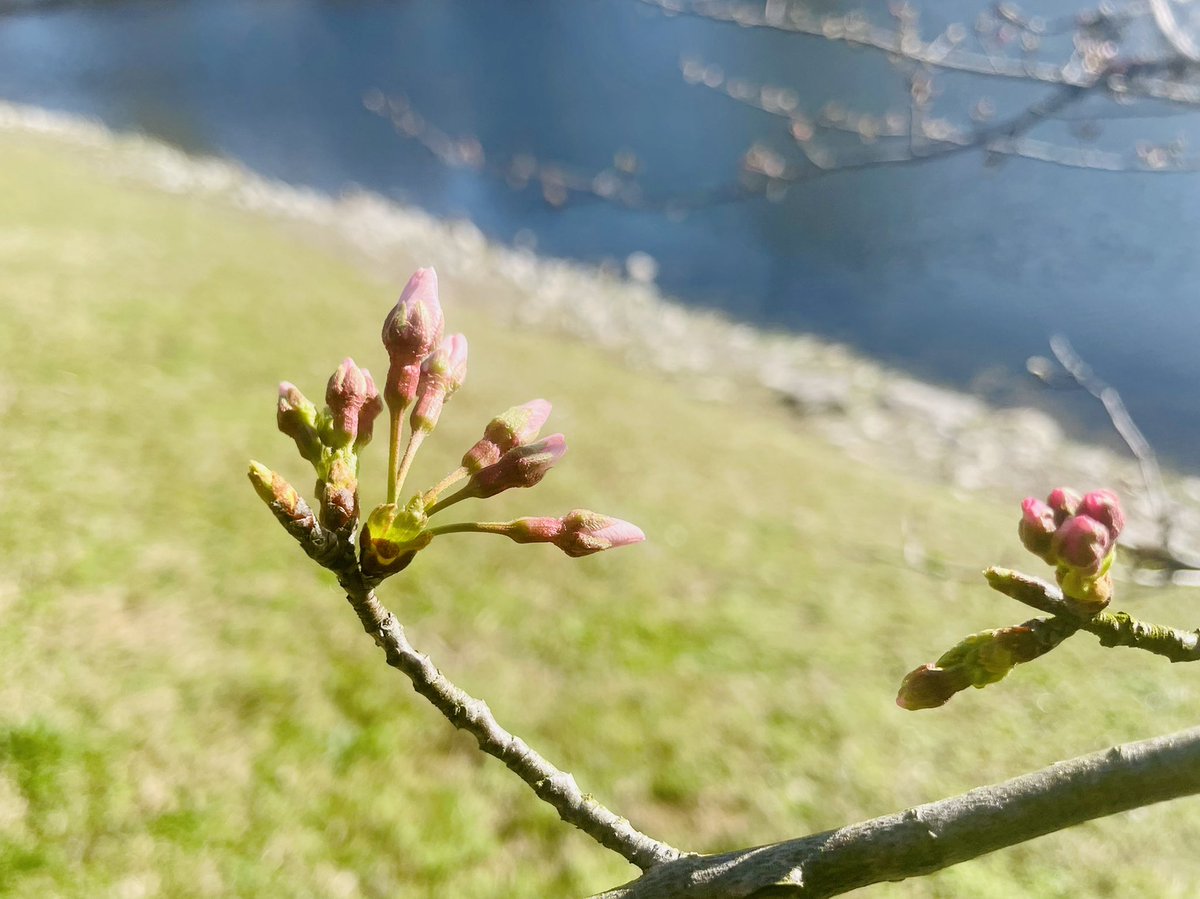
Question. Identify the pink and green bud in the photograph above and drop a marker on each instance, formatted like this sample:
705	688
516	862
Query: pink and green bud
338	492
512	428
1104	507
578	533
390	538
981	659
1082	543
1037	528
297	418
348	393
1064	502
585	532
290	509
369	412
442	374
411	331
521	466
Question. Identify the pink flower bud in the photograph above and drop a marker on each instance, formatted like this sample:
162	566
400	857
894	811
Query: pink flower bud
414	326
410	332
349	391
578	533
369	412
584	533
1065	503
512	428
1037	527
521	466
297	418
1082	543
442	373
1104	507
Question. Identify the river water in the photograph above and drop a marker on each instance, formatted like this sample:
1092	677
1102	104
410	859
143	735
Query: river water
951	270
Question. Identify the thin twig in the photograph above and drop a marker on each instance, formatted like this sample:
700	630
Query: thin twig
1112	628
556	787
1122	422
934	836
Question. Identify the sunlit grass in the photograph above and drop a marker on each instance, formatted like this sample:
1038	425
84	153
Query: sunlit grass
188	707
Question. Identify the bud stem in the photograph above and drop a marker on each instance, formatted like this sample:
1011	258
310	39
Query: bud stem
397	423
457	496
471	527
410	452
429	497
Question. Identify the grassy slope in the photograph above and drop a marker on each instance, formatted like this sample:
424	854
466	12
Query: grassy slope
188	708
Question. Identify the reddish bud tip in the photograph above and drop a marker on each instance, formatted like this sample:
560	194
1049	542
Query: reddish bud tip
442	373
1037	527
522	466
1082	543
369	412
349	390
1065	503
297	418
1104	507
410	332
514	427
414	326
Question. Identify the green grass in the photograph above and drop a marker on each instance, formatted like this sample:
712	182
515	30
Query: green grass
188	707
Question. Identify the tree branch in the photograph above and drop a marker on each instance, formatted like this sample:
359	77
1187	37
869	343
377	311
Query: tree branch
930	837
551	785
1112	628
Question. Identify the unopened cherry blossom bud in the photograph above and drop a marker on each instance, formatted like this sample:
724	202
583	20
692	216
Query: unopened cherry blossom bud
349	391
410	332
521	466
584	533
442	374
1104	507
1037	527
338	493
1064	502
515	427
369	412
1082	543
297	418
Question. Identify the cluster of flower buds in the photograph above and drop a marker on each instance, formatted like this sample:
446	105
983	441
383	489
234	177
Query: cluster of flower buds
1078	535
424	372
330	440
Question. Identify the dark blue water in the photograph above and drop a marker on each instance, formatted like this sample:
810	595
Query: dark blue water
951	270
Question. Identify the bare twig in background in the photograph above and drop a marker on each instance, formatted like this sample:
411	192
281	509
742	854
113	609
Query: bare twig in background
1160	554
940	834
1100	56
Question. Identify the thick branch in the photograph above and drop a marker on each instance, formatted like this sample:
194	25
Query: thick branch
556	787
934	836
1112	628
